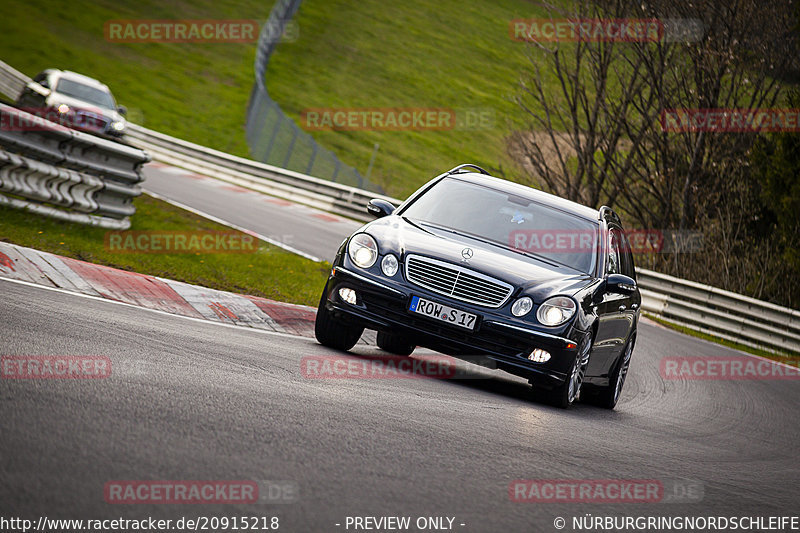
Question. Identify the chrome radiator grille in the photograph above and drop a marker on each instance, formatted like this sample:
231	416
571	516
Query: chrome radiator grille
456	282
90	120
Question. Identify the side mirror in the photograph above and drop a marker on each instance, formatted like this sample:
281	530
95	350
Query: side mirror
379	208
620	284
122	110
39	88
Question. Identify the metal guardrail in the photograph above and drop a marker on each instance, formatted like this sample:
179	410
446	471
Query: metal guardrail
700	307
12	81
323	194
721	313
66	174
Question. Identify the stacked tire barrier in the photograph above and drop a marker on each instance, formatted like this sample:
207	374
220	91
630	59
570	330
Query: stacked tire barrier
65	174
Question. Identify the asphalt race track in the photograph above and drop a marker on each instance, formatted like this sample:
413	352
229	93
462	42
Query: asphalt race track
311	231
190	400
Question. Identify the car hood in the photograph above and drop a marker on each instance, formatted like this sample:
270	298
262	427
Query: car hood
55	99
536	278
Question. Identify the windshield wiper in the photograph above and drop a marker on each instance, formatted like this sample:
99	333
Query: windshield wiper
539	258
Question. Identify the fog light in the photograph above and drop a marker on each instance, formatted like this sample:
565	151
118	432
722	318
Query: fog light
348	295
539	356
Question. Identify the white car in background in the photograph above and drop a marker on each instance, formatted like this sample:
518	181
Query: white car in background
74	100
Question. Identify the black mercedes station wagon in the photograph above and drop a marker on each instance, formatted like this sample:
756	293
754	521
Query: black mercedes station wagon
481	268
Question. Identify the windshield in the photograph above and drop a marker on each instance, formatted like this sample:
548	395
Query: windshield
510	221
86	93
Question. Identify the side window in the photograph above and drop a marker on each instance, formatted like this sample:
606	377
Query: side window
613	261
627	257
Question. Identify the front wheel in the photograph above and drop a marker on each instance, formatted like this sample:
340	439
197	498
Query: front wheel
608	396
334	333
565	394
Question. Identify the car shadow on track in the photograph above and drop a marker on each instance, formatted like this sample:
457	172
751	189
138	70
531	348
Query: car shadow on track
479	378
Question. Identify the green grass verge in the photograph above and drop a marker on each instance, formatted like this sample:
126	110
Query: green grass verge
783	357
270	272
414	53
195	91
369	53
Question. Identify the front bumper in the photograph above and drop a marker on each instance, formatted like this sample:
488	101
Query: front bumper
383	305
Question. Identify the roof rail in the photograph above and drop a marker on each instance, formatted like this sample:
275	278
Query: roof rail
467	165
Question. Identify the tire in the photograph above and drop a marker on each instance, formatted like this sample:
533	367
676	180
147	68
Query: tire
565	394
394	344
607	397
334	333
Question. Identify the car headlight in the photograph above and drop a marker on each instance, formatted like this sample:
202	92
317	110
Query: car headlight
389	265
63	109
363	250
556	311
118	126
522	306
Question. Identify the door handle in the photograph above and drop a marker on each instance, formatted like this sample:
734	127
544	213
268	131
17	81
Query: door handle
622	307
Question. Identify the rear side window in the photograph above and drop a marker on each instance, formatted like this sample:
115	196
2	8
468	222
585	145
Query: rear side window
619	259
627	257
614	257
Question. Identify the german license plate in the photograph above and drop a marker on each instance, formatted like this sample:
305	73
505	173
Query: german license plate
442	312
